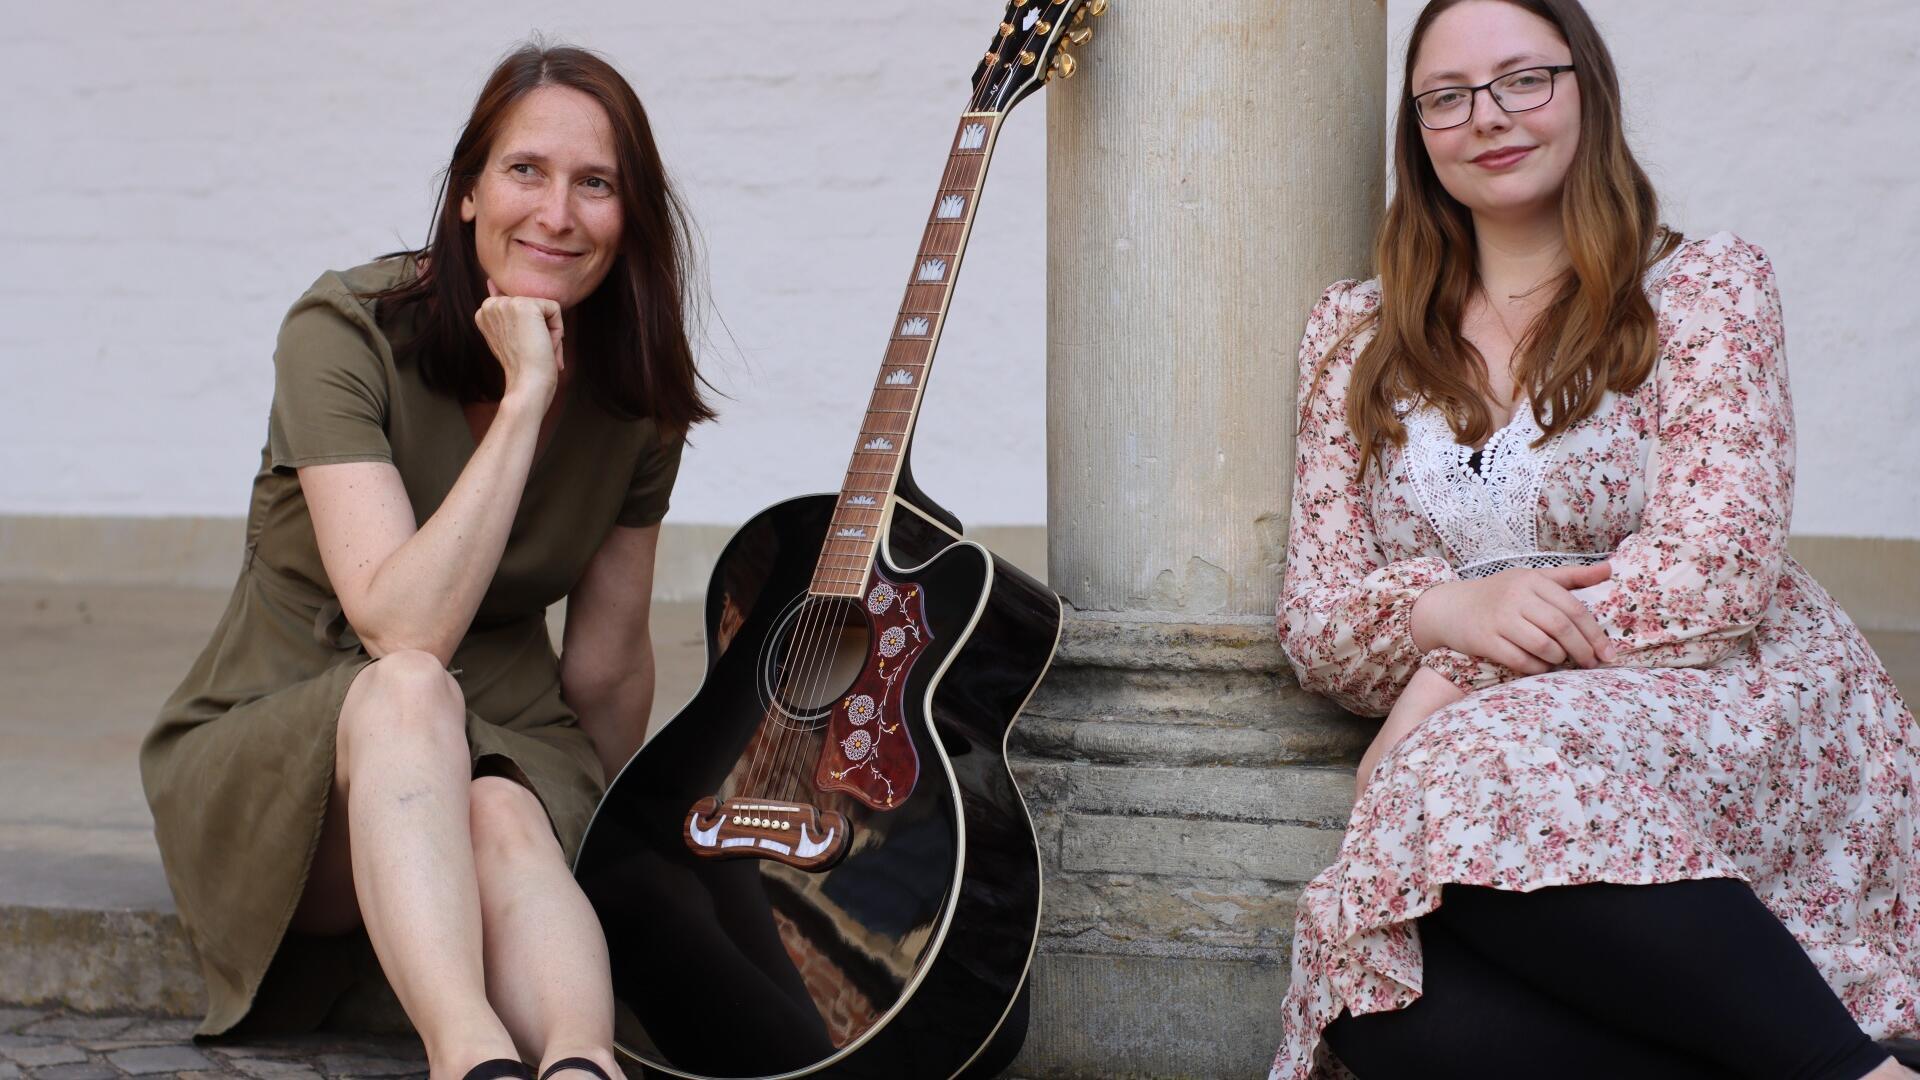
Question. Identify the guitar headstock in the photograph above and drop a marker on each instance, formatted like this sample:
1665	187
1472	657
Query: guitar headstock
1029	48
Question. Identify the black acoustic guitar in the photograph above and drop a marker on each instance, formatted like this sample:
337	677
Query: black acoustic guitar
822	866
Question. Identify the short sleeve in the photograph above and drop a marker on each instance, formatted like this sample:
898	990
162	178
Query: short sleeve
654	470
330	385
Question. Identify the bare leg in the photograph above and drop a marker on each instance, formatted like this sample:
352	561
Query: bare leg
546	958
401	773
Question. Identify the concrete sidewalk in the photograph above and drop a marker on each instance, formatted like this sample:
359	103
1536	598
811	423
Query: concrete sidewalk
86	921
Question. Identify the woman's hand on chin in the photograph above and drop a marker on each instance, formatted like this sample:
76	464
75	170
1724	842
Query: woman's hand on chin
524	333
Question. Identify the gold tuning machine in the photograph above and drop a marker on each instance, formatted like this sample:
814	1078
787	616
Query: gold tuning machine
1081	35
1097	8
1063	65
1027	57
1043	28
1006	29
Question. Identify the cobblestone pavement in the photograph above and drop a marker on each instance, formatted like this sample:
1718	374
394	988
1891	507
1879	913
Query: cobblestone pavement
38	1044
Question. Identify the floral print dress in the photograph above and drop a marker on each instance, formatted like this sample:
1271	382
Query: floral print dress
1744	729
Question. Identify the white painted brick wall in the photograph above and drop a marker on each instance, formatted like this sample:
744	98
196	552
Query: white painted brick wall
176	174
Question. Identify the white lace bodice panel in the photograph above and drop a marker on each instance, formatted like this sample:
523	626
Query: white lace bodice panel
1488	519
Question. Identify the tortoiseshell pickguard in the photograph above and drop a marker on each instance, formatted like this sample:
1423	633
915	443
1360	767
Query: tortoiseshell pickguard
867	753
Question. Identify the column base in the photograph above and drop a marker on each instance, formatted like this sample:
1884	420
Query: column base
1183	787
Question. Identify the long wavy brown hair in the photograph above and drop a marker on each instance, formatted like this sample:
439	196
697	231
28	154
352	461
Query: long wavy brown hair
1598	332
630	334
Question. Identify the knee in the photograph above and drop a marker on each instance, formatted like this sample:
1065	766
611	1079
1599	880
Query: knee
406	696
507	821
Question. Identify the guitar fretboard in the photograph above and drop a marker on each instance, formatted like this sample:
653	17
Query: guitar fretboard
853	536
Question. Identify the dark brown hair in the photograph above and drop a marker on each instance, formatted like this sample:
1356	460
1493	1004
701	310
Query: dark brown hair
1597	333
630	334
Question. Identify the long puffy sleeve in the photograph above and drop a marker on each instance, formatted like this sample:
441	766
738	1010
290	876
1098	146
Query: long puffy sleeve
1697	575
1345	615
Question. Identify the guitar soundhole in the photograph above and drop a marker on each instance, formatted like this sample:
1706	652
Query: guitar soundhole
814	657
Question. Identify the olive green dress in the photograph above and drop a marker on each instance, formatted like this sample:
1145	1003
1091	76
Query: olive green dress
239	767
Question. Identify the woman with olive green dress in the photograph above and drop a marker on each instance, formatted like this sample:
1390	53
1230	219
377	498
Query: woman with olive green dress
239	766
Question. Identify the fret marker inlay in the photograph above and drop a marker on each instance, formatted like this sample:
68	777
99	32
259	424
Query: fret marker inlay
952	206
878	443
900	378
861	500
914	327
933	269
973	136
852	533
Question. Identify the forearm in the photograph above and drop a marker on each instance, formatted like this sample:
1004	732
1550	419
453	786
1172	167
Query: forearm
1426	693
1424	622
424	595
614	711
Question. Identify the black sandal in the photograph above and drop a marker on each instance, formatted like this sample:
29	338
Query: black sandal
584	1064
498	1068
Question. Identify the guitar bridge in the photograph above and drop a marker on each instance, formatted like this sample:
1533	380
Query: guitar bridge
798	834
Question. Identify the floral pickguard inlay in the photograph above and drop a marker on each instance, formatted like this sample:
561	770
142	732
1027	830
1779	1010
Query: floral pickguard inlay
868	752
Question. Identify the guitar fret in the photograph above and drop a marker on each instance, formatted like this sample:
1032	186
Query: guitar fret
852	539
964	169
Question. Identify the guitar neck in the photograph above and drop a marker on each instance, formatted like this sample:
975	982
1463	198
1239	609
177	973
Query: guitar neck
879	453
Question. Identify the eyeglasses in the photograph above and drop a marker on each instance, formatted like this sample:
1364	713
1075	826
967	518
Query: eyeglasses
1516	91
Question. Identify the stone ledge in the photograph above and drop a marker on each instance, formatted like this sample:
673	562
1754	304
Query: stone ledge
1296	794
1178	847
1186	696
1147	642
1132	914
1060	738
99	961
1128	1016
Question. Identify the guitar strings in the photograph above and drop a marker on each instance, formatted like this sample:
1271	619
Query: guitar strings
817	644
834	611
811	647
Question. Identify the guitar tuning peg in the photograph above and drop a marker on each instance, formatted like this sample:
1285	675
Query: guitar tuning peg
1080	36
1097	8
1063	65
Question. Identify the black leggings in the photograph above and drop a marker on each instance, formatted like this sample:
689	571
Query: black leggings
1688	979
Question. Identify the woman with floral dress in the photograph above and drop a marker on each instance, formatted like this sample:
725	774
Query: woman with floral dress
1643	802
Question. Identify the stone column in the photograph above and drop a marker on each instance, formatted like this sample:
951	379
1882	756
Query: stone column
1210	171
